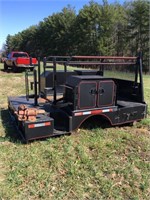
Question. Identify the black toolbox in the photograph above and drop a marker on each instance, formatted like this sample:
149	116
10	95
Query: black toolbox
87	92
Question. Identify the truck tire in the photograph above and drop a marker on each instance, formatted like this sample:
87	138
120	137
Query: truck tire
15	69
31	69
5	67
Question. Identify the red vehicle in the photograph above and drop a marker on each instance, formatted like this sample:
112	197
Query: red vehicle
17	59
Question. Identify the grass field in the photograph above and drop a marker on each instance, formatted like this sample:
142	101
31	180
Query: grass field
111	163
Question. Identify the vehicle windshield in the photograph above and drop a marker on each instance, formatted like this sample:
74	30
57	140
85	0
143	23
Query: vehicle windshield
23	55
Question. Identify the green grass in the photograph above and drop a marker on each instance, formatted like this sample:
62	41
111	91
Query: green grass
110	163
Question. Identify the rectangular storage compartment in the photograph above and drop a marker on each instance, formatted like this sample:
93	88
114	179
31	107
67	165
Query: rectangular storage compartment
87	92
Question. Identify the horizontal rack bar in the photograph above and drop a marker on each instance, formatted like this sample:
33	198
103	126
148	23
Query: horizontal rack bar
99	63
105	57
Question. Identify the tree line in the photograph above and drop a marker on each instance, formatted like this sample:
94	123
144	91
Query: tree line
97	29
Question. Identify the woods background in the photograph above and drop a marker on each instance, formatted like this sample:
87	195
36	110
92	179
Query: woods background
97	29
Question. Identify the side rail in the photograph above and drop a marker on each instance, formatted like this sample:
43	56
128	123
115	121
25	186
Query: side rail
51	63
34	83
101	60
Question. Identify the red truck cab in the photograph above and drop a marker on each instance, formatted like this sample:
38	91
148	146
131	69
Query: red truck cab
18	59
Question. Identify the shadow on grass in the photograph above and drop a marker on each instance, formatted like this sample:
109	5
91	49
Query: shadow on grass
11	71
11	132
96	122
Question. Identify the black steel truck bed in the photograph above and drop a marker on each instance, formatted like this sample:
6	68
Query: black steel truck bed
82	95
30	130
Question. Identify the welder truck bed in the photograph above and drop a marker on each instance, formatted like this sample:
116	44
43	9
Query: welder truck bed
63	100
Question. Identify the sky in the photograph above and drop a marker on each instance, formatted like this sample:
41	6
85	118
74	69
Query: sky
18	15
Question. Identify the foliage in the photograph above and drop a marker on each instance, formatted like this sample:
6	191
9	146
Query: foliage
138	27
98	29
88	30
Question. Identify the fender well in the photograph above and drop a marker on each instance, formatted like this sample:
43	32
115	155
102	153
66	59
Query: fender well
95	121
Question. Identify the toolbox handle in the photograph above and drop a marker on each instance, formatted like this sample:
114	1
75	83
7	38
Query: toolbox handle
93	91
101	91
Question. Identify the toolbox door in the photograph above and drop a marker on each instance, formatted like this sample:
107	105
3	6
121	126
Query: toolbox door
87	94
106	93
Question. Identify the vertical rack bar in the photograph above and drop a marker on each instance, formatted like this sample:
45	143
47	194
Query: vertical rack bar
141	75
30	61
65	70
35	88
44	64
137	65
54	78
39	75
27	84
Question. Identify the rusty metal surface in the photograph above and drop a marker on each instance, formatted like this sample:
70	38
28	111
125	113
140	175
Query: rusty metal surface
24	113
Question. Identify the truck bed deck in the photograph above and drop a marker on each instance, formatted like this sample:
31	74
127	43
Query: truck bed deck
125	103
15	101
